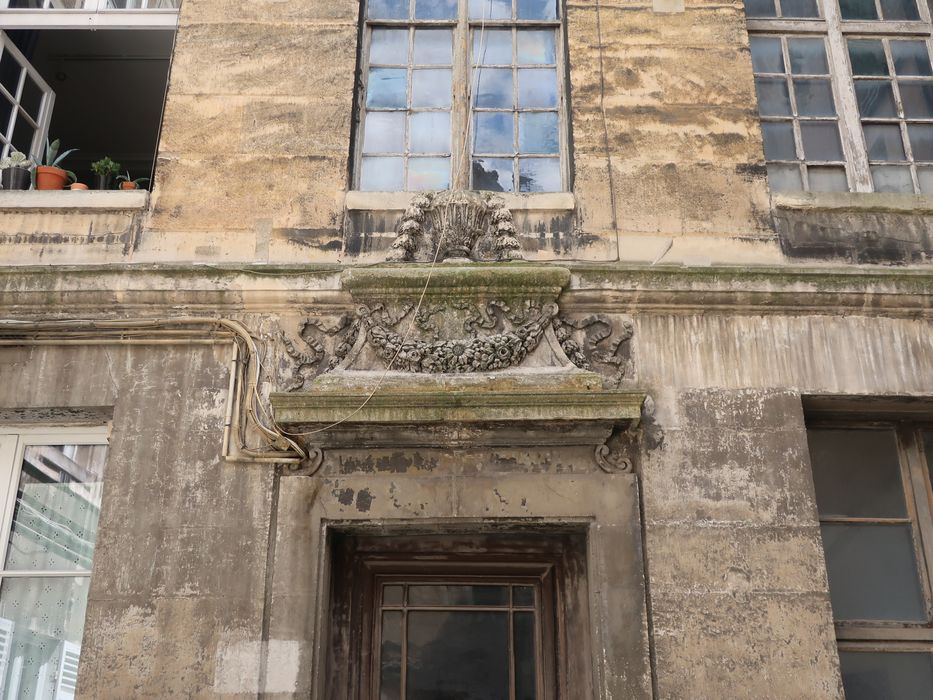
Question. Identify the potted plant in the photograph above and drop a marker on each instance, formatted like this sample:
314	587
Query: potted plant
15	171
104	170
128	183
48	175
77	186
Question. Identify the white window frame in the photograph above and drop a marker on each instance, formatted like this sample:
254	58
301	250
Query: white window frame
13	444
91	14
462	107
836	30
41	123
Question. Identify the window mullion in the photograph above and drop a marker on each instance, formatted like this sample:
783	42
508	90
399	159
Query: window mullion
460	108
921	502
853	143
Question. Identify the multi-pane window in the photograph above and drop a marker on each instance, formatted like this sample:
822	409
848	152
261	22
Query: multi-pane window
845	94
462	94
49	529
874	499
25	102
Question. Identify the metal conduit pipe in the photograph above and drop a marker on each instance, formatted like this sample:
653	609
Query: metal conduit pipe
243	372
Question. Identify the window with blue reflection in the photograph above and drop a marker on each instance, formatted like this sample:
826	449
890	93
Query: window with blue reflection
499	129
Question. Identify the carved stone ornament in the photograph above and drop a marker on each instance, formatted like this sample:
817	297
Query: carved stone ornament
455	221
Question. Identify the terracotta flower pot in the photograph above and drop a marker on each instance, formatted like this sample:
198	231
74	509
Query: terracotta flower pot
77	186
128	185
48	178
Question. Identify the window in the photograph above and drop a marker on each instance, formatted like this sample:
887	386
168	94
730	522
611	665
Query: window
845	94
444	616
873	494
25	102
49	528
466	94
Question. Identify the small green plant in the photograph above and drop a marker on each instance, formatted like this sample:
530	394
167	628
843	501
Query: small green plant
51	158
105	167
126	178
17	159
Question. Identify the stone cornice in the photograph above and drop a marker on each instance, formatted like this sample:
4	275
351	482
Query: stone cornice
44	290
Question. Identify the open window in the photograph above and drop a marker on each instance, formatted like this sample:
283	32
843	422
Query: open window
101	92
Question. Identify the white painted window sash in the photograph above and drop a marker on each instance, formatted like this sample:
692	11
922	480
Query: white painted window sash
41	123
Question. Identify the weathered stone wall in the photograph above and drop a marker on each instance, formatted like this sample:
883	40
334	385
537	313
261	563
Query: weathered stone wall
179	566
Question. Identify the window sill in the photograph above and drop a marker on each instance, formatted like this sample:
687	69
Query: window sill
93	200
398	201
868	202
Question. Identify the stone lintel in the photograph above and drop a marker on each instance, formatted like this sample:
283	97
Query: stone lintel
427	416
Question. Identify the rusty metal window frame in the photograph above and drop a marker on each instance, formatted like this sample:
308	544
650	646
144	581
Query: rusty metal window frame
552	563
915	477
462	106
837	32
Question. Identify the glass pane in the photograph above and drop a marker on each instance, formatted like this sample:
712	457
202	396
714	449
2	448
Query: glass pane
799	8
493	87
31	98
9	73
492	47
435	9
760	8
523	596
43	619
856	473
807	56
457	595
773	99
389	46
536	47
539	175
785	178
925	177
874	675
824	179
430	87
23	134
493	132
538	133
433	46
917	99
872	572
858	9
814	98
537	9
386	87
900	9
384	132
867	57
889	178
490	9
390	656
779	140
524	633
910	58
537	87
428	174
928	434
883	141
457	654
393	595
381	174
430	132
388	9
767	55
821	141
875	98
494	174
57	508
6	109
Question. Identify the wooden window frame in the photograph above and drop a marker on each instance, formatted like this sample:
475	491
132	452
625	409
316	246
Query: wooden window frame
40	123
883	635
462	108
836	30
555	560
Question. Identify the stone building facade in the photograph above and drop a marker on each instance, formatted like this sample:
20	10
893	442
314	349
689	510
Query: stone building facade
313	396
